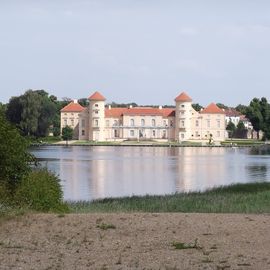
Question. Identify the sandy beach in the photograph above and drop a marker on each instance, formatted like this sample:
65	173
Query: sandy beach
135	241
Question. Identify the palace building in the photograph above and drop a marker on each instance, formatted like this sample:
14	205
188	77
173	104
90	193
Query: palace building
99	122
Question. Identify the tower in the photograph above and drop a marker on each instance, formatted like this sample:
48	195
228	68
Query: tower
183	115
96	117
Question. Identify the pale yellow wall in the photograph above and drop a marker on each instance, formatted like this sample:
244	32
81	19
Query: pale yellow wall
70	119
205	124
84	125
96	120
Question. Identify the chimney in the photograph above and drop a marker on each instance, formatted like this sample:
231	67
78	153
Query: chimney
160	107
75	101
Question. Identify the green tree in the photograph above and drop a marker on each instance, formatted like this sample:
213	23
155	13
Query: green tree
240	131
197	107
14	156
14	111
84	102
241	108
222	106
67	133
231	129
255	116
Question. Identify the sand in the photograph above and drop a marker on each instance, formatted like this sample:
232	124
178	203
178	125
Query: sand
138	241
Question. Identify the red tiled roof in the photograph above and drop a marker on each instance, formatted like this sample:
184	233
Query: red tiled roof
73	107
168	112
118	112
183	97
212	108
97	96
232	112
115	112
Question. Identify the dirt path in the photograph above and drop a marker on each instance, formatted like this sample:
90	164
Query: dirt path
138	241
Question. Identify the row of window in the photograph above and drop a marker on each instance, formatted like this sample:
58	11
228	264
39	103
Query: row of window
142	134
197	123
197	134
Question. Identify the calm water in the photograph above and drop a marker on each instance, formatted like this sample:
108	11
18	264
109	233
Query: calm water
89	173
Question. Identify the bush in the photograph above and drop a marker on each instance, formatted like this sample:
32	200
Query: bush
14	156
41	191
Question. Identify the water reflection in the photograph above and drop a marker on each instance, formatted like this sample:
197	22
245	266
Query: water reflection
89	173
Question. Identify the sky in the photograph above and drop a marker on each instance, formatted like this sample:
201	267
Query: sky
143	51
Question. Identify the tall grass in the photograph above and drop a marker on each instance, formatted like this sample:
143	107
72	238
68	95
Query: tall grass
239	198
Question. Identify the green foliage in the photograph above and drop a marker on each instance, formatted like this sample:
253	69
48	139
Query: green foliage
222	106
181	245
41	191
33	112
105	226
258	113
231	129
14	156
241	108
123	105
239	198
67	133
197	107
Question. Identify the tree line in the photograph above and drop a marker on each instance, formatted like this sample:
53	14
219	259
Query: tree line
36	113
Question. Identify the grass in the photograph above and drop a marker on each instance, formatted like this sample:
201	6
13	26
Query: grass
105	226
242	142
239	198
181	245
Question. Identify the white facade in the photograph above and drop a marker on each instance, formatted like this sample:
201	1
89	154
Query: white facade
182	123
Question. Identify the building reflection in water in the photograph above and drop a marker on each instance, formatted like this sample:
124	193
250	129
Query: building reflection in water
89	173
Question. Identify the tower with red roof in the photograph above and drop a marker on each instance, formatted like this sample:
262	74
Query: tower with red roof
183	114
96	117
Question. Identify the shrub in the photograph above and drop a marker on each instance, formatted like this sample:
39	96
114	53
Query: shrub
41	190
14	156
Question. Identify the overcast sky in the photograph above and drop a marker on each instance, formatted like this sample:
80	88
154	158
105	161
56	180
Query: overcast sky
139	51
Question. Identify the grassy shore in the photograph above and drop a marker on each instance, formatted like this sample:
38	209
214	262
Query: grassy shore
239	198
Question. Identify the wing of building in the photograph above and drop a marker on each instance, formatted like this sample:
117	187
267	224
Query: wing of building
99	122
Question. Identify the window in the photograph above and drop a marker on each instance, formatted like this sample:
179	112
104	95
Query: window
72	122
164	123
153	122
218	133
197	123
116	133
218	123
182	113
182	135
83	122
83	132
182	106
164	134
96	123
197	134
65	122
65	114
107	123
132	123
142	122
96	111
115	122
171	123
96	105
154	133
131	132
182	123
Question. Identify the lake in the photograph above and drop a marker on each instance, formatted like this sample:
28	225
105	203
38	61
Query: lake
93	172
